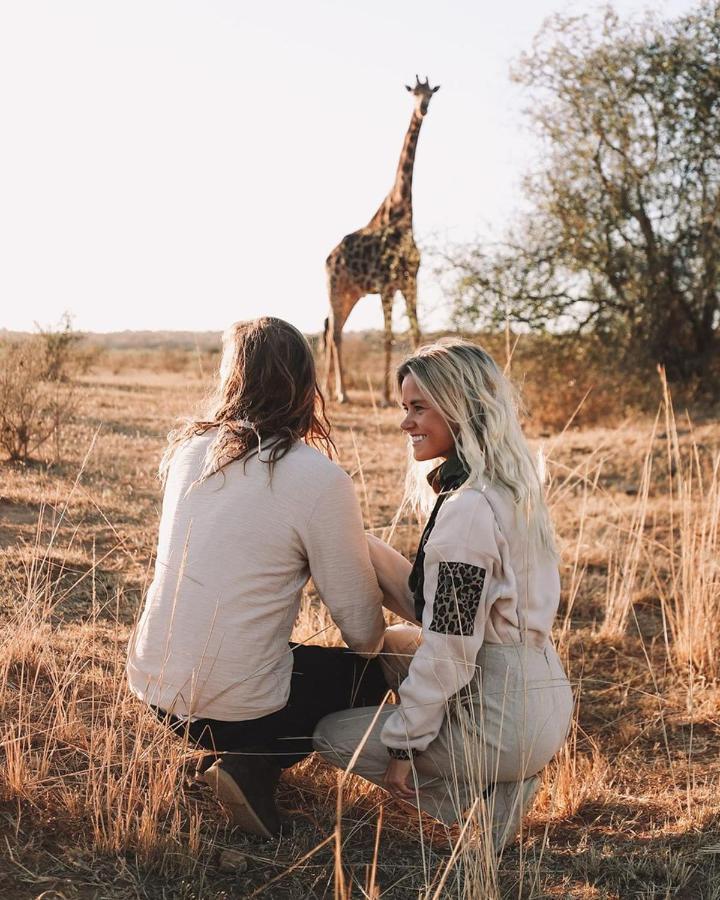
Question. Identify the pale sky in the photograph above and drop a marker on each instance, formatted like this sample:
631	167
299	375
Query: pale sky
180	165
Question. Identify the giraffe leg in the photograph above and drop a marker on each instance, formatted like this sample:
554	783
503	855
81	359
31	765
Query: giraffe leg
336	346
342	301
328	357
409	292
387	307
333	353
333	347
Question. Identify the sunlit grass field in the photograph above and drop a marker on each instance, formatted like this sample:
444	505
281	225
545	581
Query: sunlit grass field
96	801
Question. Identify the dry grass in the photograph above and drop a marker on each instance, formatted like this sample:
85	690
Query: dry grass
96	800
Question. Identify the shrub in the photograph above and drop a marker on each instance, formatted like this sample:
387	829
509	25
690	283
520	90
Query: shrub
38	389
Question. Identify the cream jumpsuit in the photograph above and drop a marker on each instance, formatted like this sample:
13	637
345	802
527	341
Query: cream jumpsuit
483	696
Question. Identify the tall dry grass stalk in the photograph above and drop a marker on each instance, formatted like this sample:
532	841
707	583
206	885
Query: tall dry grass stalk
679	558
76	747
574	778
80	755
691	595
578	569
626	559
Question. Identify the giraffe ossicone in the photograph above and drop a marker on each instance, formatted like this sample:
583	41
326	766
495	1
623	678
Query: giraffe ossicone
380	258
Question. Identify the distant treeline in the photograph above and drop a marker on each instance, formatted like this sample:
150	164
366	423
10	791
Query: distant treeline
140	340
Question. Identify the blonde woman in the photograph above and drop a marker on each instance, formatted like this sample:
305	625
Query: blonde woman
484	702
252	508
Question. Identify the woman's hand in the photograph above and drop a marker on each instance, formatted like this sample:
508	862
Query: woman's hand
397	778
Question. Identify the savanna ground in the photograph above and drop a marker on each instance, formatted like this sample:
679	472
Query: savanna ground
96	801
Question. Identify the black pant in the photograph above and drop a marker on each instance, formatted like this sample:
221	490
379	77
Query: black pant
324	680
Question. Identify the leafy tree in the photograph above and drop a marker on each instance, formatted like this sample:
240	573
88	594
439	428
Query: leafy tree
623	229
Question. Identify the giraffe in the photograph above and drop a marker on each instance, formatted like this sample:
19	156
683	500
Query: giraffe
380	258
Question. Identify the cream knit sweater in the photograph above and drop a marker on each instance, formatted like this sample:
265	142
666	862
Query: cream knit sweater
234	554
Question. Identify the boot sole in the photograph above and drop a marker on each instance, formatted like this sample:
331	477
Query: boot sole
229	793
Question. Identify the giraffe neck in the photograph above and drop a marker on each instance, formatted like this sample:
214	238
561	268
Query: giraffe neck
396	208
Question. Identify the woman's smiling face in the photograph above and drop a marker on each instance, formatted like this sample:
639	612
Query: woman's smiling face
427	429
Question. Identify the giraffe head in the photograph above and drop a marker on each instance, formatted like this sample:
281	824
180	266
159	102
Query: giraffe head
422	93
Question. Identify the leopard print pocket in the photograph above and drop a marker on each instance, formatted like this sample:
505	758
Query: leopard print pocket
457	598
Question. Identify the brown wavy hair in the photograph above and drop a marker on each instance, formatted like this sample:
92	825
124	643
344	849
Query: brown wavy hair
267	396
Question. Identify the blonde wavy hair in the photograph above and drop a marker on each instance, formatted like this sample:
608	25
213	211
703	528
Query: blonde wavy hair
266	397
479	405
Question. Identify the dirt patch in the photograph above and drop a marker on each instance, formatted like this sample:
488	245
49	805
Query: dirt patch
17	520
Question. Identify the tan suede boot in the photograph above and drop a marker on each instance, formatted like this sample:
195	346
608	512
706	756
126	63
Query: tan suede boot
245	785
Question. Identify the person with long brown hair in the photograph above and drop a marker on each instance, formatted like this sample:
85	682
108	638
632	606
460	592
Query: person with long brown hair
252	508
